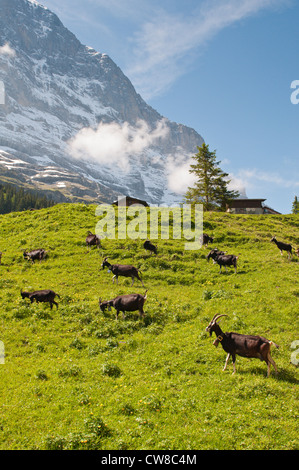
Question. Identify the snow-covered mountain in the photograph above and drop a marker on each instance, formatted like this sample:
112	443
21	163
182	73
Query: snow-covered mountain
71	123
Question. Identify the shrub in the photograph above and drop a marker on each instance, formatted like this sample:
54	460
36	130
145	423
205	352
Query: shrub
112	370
95	425
54	443
41	375
73	371
77	344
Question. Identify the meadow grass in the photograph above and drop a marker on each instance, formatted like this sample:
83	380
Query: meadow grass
75	378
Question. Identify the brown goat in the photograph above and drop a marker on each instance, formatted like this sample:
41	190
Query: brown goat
242	345
125	303
92	240
45	295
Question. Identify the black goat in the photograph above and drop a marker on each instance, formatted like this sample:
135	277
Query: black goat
282	246
206	239
125	303
226	260
34	255
147	245
242	345
125	270
45	295
214	253
93	240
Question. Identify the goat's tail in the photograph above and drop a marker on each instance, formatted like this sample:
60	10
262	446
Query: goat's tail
145	296
273	344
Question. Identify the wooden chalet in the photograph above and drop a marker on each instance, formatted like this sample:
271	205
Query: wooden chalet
128	201
250	206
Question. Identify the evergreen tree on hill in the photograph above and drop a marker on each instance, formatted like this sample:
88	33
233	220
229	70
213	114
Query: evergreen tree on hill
211	185
295	206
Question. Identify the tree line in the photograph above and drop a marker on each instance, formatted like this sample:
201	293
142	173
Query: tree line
13	199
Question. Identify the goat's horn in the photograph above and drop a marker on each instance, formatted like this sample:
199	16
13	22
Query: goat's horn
219	316
214	316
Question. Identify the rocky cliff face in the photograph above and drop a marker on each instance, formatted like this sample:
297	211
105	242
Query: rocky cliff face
54	88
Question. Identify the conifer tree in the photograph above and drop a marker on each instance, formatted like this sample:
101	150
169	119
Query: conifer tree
211	185
295	206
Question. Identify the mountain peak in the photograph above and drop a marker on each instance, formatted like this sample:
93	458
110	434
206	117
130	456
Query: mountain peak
59	91
37	4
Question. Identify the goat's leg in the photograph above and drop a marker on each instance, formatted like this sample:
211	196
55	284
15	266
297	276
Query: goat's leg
132	281
234	362
269	362
227	358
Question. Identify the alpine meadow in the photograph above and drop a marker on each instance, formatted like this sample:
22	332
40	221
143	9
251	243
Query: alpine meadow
75	377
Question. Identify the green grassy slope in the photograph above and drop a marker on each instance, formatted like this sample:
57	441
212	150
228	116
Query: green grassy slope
74	378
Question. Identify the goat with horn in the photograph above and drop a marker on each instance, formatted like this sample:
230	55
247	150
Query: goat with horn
242	345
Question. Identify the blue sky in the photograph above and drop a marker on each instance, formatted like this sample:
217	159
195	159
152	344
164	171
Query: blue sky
222	67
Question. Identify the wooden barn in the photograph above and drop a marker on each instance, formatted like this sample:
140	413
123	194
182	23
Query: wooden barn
250	206
128	201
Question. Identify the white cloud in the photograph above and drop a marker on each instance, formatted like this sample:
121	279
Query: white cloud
165	45
114	143
7	50
178	176
254	180
258	181
237	184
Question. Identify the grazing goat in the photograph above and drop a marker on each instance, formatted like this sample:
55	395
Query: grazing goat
297	251
282	246
125	270
125	303
45	295
226	260
92	240
206	239
242	345
38	254
214	253
150	247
